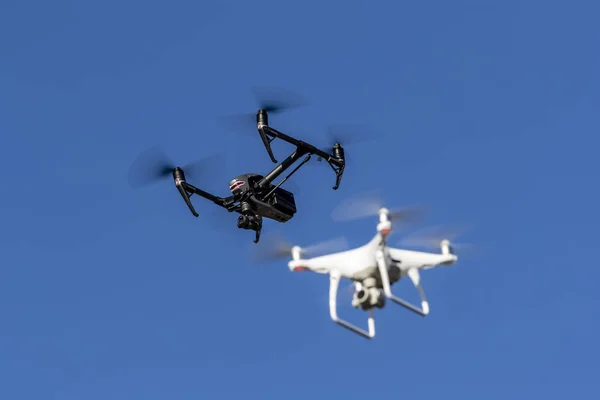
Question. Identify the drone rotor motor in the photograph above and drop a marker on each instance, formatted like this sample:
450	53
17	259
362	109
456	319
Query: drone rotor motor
385	225
446	247
338	152
178	176
262	119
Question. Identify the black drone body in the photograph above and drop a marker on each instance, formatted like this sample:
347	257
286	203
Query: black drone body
254	196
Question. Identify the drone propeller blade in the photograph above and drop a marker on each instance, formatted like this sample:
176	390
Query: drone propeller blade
275	246
150	166
325	247
272	247
369	205
432	237
349	134
275	100
345	135
154	165
272	99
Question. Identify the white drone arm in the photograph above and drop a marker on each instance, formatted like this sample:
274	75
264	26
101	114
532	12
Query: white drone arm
414	276
334	282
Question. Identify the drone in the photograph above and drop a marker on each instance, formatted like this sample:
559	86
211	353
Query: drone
254	196
373	268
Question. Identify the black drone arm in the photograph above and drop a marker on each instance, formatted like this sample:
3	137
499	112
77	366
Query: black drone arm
280	169
186	190
336	161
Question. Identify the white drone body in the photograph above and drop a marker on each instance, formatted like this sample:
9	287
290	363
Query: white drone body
374	267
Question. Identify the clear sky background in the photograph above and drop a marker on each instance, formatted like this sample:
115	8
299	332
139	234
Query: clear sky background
489	116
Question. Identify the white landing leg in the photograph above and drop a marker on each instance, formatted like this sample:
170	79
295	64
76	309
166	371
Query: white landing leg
414	277
334	282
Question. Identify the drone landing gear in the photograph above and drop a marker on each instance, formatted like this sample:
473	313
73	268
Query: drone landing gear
334	282
414	276
186	191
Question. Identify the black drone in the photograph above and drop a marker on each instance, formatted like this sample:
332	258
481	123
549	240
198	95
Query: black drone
254	196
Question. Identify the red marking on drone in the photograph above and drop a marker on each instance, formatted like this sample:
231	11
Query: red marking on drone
237	185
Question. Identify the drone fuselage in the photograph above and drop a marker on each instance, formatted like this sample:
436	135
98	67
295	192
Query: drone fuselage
360	263
266	201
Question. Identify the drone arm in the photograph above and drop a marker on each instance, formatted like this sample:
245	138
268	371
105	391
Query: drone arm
306	159
307	147
334	282
337	161
185	188
285	164
414	276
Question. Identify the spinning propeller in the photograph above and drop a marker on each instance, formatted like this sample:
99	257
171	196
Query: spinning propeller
432	237
275	100
369	205
277	247
345	135
154	165
271	99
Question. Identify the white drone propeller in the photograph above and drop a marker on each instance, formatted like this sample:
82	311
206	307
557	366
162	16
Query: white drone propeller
432	237
368	205
275	247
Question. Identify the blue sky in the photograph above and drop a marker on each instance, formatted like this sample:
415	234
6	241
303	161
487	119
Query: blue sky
489	114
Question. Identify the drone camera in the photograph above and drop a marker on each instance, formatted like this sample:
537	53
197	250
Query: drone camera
368	298
249	222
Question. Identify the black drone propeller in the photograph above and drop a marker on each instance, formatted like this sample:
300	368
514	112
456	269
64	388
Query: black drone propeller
345	135
271	99
154	165
276	100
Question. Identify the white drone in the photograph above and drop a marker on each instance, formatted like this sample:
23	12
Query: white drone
373	268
